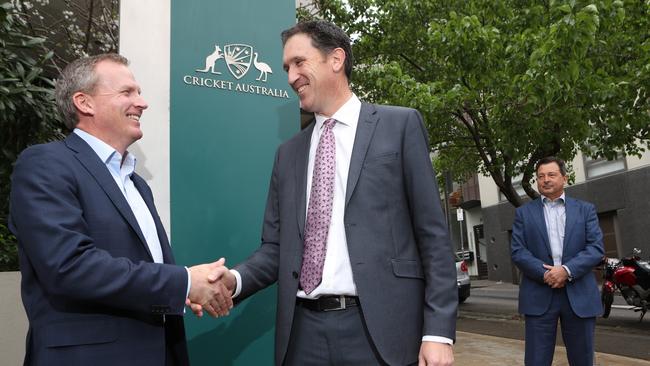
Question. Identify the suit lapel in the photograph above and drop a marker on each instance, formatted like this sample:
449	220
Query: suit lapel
141	186
540	223
365	128
302	160
89	159
570	213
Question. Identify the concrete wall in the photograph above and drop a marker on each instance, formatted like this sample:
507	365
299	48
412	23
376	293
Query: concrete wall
633	162
13	321
148	51
497	221
489	191
577	167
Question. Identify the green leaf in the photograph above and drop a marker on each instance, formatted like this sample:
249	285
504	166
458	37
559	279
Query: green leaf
591	9
33	41
36	71
574	70
20	70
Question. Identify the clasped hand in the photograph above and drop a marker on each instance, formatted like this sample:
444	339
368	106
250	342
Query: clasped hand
211	289
555	276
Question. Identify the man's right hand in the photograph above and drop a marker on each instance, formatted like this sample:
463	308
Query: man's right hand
555	276
225	281
212	295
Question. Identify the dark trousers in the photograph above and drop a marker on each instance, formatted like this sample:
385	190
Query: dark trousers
330	338
577	333
175	344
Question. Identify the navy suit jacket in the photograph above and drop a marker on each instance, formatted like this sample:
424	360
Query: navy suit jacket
400	253
583	249
92	294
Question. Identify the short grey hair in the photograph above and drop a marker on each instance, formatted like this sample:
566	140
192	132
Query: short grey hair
79	76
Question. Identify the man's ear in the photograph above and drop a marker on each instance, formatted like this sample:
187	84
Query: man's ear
337	59
84	103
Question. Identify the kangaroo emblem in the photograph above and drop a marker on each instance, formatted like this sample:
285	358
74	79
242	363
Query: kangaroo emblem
211	59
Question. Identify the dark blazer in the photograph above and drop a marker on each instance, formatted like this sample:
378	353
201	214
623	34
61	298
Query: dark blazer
583	249
401	257
89	287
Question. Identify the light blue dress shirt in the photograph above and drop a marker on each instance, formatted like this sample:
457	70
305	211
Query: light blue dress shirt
555	218
121	173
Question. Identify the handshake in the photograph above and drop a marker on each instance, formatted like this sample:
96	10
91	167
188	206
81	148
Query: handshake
212	287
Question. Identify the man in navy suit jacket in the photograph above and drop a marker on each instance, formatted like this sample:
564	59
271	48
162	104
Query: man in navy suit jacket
556	242
99	283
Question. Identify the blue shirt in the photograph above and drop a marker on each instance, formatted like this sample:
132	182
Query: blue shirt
555	218
121	170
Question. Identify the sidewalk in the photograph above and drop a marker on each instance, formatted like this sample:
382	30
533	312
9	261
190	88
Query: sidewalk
477	349
485	350
494	285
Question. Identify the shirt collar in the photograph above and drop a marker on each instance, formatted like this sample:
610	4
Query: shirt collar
108	155
348	114
560	199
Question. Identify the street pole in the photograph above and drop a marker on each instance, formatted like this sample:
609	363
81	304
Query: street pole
449	187
460	216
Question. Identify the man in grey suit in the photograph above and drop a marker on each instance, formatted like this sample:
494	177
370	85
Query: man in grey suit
369	279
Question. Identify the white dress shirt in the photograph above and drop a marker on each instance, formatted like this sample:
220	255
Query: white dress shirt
337	271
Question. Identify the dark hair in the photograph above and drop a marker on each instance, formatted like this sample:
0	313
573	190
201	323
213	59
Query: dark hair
551	159
325	36
79	76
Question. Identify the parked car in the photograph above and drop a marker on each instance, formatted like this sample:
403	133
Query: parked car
462	278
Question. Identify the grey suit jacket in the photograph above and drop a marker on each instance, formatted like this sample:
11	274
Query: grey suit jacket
401	257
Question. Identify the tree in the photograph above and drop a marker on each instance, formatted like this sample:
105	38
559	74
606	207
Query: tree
37	39
503	83
27	109
72	28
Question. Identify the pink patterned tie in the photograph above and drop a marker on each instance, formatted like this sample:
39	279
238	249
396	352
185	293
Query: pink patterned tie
319	212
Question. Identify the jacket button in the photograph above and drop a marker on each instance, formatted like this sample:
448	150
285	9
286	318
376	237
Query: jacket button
294	274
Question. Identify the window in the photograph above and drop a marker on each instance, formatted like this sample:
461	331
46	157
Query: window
597	167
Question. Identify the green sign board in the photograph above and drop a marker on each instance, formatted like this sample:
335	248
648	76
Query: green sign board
230	108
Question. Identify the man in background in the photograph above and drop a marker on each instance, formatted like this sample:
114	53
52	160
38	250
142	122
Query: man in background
556	242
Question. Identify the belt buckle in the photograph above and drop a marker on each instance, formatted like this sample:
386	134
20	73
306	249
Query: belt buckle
341	300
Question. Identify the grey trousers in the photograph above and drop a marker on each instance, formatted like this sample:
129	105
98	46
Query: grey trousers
336	338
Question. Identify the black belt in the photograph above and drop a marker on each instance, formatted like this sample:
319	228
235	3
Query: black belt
329	303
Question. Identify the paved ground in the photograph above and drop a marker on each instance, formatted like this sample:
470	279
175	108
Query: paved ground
476	349
486	350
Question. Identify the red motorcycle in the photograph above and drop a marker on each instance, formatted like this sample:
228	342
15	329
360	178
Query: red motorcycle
629	276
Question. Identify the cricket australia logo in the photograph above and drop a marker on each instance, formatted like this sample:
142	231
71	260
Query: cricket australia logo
238	58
